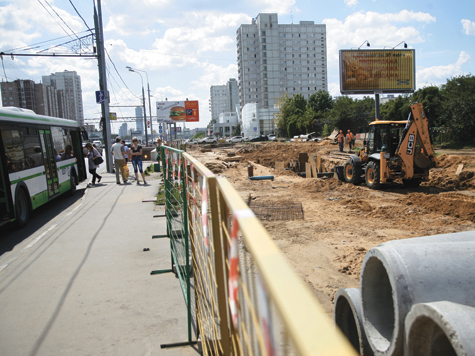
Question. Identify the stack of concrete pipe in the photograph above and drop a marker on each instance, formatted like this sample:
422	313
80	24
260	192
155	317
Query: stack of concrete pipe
416	298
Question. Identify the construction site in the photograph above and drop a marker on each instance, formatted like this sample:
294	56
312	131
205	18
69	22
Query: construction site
325	226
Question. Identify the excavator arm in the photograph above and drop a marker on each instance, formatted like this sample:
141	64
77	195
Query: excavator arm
415	147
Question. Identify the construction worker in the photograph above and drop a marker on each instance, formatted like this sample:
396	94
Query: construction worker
341	140
350	138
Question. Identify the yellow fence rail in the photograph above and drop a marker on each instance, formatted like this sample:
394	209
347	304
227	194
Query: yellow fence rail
248	299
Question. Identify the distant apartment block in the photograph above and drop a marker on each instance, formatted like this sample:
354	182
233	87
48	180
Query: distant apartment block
68	85
224	98
274	59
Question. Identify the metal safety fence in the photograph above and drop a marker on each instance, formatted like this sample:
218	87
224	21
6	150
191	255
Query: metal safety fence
176	212
247	298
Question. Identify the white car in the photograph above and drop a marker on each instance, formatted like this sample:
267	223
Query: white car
191	142
209	140
272	137
98	144
235	139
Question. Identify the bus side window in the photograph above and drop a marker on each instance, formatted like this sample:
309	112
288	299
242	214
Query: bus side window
32	147
13	148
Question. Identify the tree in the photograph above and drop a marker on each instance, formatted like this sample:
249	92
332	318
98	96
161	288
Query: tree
396	110
431	100
318	106
458	107
341	113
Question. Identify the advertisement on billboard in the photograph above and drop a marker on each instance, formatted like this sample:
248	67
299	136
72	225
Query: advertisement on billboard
377	71
178	111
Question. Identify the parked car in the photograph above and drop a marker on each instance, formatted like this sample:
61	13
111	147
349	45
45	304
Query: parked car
272	137
97	143
191	142
210	139
259	138
235	139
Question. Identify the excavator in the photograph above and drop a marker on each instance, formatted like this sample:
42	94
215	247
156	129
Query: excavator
393	150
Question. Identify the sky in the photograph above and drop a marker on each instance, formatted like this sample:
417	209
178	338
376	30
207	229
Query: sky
185	47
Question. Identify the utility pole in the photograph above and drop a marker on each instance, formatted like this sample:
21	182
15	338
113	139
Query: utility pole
103	84
144	116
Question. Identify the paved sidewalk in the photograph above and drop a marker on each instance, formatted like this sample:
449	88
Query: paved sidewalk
83	287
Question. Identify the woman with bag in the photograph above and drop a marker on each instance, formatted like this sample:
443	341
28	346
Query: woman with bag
95	159
136	154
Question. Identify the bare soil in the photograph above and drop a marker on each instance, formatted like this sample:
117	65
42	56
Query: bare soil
343	221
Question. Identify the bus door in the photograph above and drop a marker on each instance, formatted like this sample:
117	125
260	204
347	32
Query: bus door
79	154
6	202
50	163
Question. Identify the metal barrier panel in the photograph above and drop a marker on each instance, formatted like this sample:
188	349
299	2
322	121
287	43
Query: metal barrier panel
248	300
177	217
207	252
271	309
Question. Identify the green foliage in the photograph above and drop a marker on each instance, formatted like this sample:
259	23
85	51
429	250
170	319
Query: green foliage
236	131
458	107
199	135
450	107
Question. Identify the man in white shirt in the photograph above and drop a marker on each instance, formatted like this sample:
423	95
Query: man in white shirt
119	159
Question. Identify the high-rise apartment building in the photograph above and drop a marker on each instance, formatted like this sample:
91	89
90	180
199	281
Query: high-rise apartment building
224	98
70	83
19	93
274	59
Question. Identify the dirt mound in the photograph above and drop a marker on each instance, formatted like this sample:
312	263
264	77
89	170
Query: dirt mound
445	177
268	153
215	167
456	205
319	185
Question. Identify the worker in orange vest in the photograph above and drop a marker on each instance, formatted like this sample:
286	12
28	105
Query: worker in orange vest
350	138
341	140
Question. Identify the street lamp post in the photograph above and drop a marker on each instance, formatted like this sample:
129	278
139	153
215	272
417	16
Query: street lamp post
149	104
143	101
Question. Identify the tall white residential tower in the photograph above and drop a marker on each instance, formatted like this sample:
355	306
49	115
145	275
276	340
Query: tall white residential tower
274	59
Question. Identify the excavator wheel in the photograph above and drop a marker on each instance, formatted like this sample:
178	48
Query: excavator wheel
372	175
351	172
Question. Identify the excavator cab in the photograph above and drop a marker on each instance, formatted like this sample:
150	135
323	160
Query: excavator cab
384	137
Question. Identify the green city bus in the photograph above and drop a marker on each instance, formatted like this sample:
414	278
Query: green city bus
41	158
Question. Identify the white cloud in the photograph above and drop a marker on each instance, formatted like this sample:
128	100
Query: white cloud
468	27
215	75
380	29
437	75
278	6
186	45
351	2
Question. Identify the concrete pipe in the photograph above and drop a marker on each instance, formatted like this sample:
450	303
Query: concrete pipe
347	315
440	329
397	275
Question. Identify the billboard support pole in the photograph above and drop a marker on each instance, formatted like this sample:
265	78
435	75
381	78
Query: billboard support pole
376	105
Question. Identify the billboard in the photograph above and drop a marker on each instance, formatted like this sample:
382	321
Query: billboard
377	71
178	111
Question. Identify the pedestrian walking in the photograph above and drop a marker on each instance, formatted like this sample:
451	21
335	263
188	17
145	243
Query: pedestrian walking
118	153
136	157
350	138
94	157
126	152
341	140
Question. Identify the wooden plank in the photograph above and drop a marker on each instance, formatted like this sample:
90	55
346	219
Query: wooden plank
313	162
303	158
459	169
308	170
279	165
319	163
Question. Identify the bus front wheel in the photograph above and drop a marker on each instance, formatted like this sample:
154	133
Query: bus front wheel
22	208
